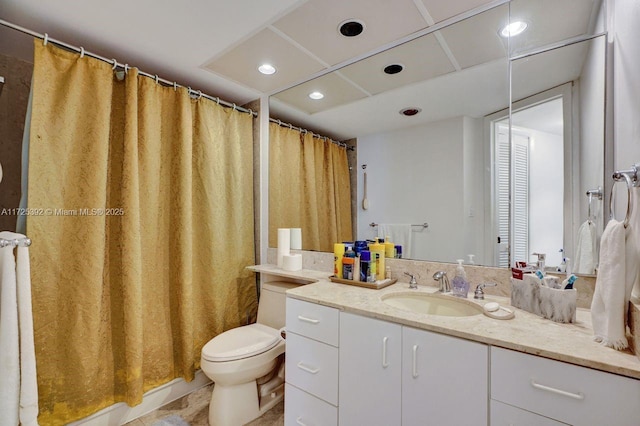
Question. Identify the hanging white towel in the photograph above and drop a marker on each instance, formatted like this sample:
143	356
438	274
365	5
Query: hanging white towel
613	287
9	337
585	258
19	392
399	234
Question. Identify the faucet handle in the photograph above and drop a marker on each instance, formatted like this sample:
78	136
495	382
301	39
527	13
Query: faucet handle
479	293
413	283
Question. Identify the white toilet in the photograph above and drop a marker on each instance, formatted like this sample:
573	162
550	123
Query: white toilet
247	363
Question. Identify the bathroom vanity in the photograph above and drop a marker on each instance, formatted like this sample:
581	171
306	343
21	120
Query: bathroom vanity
352	359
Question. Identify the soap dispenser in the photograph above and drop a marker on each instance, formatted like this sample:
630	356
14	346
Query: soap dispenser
460	285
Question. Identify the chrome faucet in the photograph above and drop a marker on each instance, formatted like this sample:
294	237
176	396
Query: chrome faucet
441	276
479	293
413	284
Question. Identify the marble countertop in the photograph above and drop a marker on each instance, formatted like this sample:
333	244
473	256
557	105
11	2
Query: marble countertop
528	333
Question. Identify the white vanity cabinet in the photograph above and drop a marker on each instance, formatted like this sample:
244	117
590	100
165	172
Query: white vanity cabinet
444	380
311	364
370	371
563	392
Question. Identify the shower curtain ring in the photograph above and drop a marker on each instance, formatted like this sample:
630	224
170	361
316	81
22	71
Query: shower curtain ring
250	112
156	78
126	68
290	126
279	122
175	86
234	106
46	39
217	100
81	52
199	94
115	64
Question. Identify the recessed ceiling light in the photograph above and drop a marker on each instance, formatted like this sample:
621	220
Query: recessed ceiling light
410	112
316	95
267	69
513	29
393	68
351	27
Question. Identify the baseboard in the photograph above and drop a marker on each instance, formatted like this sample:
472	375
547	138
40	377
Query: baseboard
120	413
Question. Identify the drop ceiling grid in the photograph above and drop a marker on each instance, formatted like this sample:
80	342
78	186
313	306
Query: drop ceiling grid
314	25
240	64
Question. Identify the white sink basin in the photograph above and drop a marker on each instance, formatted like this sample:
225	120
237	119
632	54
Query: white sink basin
432	304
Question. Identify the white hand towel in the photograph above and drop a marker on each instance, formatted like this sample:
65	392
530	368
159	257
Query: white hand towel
9	337
613	288
584	260
20	391
399	234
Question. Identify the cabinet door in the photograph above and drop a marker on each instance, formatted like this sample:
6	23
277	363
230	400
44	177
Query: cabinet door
444	380
369	382
507	415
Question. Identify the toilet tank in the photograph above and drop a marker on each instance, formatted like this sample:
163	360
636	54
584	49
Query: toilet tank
271	308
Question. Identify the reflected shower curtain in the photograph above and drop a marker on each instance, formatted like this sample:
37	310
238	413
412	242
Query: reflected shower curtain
138	256
309	188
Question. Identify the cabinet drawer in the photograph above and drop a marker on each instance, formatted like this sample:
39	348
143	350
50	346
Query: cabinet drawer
313	367
564	392
506	415
303	409
314	321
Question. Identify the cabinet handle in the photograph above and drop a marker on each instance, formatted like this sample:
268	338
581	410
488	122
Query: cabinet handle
414	373
310	320
385	364
557	391
303	367
299	421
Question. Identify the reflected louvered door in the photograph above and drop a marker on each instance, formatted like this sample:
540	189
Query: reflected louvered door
502	195
520	197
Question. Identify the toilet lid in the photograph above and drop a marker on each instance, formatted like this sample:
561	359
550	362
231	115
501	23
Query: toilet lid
241	342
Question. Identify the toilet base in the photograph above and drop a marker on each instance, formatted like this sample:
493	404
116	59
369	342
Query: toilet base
239	404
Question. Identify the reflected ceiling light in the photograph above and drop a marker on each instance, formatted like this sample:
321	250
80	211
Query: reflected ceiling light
316	95
513	29
410	112
267	69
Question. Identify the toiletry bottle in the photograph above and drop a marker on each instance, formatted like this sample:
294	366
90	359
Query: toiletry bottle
398	251
378	249
460	285
365	265
338	254
389	248
347	267
356	268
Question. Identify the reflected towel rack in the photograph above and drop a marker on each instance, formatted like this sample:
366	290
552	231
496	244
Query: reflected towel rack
424	225
591	194
631	178
20	242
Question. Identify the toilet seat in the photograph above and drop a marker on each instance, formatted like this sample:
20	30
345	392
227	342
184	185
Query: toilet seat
241	342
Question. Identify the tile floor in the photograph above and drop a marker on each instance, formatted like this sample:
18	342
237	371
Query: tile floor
193	410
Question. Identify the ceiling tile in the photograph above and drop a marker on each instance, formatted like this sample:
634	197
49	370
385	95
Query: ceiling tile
241	63
422	58
314	25
441	10
336	90
551	21
476	40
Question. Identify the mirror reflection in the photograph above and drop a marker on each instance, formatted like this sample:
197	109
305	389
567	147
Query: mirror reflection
438	166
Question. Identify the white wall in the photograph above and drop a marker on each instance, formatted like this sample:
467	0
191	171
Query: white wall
416	175
591	109
626	44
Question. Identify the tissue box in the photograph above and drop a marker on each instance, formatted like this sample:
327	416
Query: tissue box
555	304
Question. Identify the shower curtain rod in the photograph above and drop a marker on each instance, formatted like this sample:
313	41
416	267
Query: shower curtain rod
315	135
195	93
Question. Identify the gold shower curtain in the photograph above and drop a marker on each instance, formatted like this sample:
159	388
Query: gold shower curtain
309	188
143	224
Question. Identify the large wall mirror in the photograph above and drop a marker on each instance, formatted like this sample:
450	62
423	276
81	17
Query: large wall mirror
481	97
